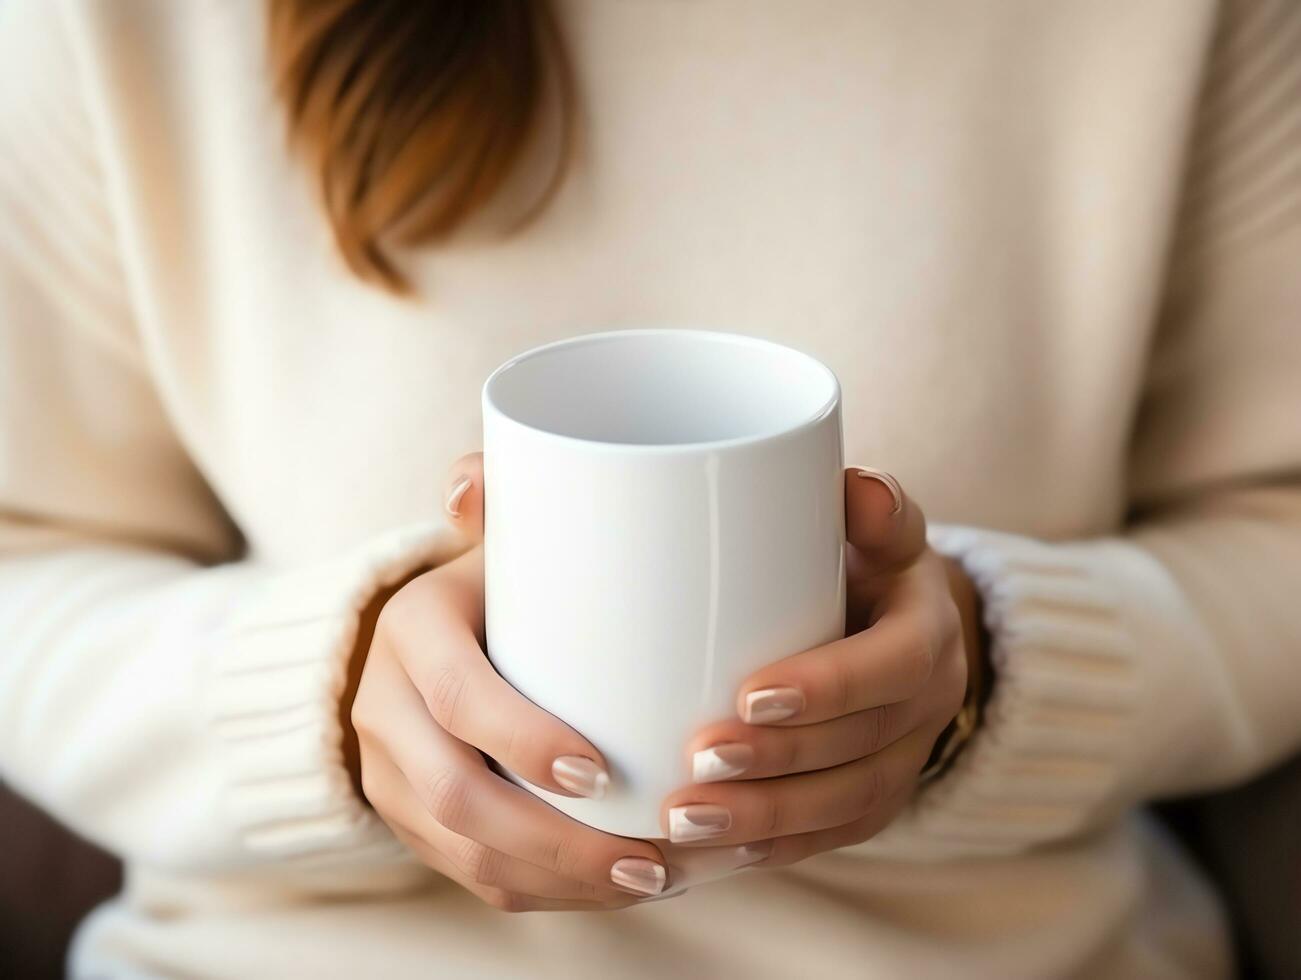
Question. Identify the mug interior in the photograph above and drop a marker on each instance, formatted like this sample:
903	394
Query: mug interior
662	388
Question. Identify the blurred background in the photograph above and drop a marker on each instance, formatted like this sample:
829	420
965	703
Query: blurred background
49	880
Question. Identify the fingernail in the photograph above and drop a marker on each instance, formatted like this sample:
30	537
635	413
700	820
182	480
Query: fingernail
753	853
721	762
580	775
698	821
890	483
455	494
638	875
772	704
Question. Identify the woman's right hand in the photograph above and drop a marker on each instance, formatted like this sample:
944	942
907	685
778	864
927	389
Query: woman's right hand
428	703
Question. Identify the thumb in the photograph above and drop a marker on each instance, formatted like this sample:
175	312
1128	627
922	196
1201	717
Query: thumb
882	523
463	498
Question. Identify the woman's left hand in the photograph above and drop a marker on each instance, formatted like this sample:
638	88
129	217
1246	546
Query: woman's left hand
827	744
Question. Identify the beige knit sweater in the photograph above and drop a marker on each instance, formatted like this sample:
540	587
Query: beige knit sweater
1052	251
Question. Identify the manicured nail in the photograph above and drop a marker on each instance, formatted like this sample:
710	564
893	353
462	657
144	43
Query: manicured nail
580	775
698	821
721	762
638	875
890	483
753	853
772	704
455	494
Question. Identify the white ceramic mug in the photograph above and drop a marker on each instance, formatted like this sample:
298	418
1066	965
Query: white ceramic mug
664	515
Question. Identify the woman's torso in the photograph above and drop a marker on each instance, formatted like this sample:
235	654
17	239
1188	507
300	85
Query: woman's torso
963	210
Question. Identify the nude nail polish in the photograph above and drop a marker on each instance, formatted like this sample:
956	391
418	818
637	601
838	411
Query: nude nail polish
638	875
454	495
698	821
885	479
772	704
580	775
721	762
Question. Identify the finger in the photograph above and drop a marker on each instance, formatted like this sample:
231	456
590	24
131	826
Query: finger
471	862
755	810
463	498
882	522
797	847
457	790
893	660
502	899
507	818
429	624
734	750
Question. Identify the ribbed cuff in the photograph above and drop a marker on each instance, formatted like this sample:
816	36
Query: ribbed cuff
1055	749
274	691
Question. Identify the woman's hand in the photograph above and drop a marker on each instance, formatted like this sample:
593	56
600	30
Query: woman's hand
427	703
828	744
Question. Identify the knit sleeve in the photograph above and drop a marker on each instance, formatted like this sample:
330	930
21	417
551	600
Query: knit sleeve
1165	659
163	696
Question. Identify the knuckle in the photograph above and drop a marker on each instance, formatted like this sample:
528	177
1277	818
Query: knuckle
505	901
510	756
840	686
386	621
562	855
360	717
478	862
370	724
771	816
396	613
447	798
871	790
792	754
444	695
588	892
875	730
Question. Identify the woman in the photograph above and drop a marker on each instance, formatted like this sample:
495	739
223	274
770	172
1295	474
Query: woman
1050	251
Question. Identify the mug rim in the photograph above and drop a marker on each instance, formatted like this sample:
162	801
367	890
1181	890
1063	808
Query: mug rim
820	414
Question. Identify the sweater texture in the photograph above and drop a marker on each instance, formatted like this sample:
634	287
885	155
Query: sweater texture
1052	251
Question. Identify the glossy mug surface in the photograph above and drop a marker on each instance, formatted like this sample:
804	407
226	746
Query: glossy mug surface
664	515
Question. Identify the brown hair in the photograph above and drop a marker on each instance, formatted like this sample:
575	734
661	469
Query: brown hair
412	113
